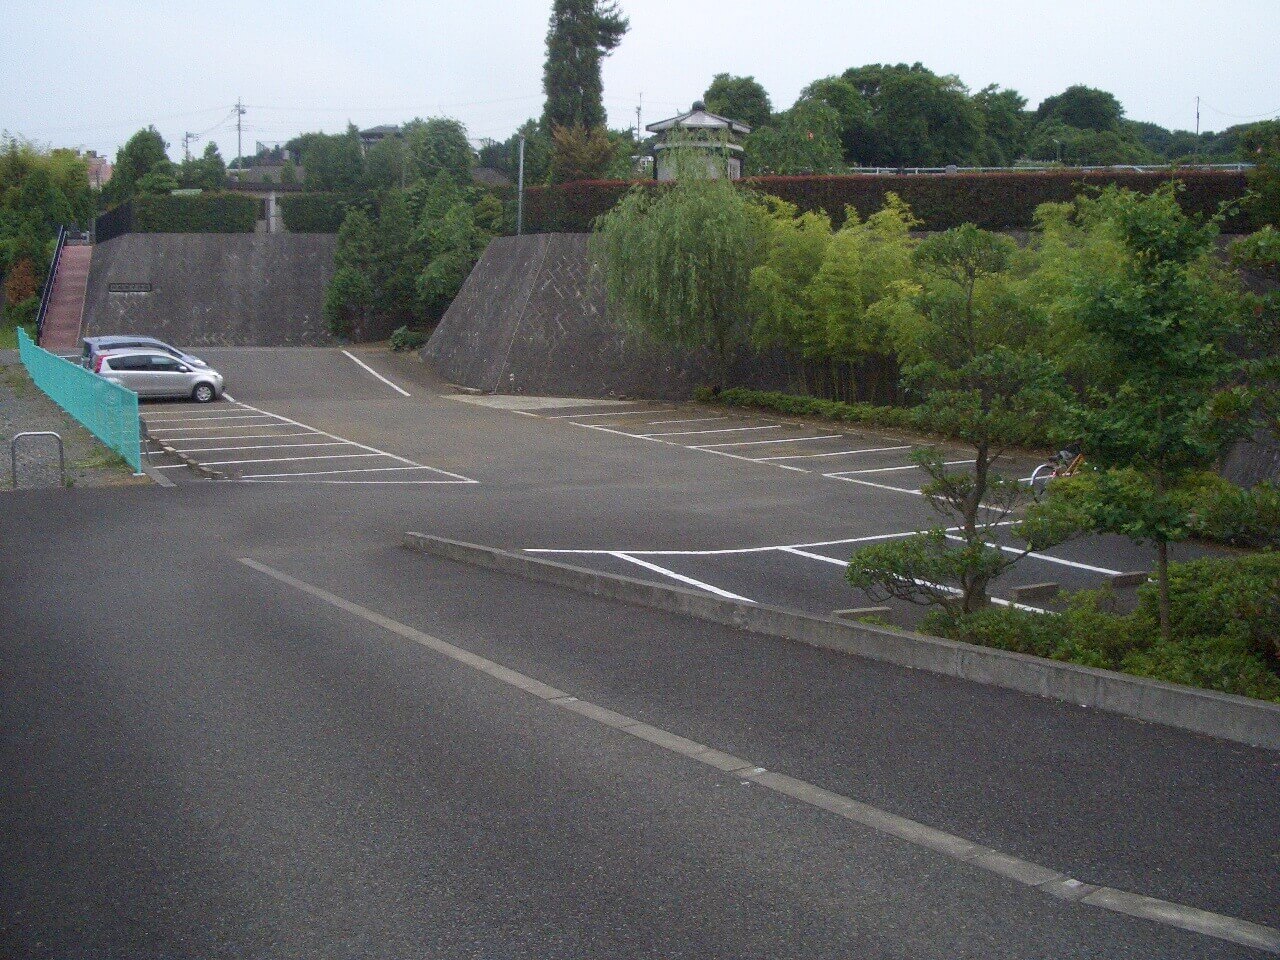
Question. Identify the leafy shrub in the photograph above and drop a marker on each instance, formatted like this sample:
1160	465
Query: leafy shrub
1226	513
866	414
404	339
313	212
1223	629
23	313
993	201
205	213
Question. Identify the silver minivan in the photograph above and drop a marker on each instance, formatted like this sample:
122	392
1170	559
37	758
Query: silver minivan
151	373
111	343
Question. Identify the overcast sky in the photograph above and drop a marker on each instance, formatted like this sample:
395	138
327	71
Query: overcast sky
89	73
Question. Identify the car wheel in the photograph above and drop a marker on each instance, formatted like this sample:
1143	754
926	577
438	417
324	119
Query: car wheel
203	393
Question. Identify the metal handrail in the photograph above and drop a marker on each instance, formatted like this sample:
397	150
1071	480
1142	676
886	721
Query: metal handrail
13	455
47	292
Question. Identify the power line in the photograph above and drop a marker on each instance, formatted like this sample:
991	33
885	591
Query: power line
1238	116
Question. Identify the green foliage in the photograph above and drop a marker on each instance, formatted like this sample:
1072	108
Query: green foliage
39	191
206	172
313	212
137	158
1083	108
333	162
581	34
288	172
403	340
1004	125
206	213
1219	510
1221	634
578	153
162	180
1263	142
803	140
438	146
505	156
677	263
738	98
928	569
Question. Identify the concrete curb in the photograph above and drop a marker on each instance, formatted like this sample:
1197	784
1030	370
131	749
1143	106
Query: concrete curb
156	477
191	462
1241	719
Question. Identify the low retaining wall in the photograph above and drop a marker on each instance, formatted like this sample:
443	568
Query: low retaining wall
206	290
1223	715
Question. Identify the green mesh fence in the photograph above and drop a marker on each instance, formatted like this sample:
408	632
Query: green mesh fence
108	411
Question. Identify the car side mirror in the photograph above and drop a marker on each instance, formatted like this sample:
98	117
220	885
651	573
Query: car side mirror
182	368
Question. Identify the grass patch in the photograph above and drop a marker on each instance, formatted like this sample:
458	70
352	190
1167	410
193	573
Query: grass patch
9	336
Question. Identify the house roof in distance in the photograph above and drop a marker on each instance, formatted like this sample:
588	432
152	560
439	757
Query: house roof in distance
699	118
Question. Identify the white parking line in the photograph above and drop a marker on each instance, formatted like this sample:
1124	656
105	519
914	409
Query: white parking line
374	450
749	443
244	436
234	426
264	446
910	466
359	362
611	413
1049	559
324	473
878	486
679	576
327	456
354	483
738	456
659	423
689	433
837	453
228	416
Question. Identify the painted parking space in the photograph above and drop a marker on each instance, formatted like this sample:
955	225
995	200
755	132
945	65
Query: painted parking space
238	441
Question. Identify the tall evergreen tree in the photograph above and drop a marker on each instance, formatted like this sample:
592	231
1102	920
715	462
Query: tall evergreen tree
582	33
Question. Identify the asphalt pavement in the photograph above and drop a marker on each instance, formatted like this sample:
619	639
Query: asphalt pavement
201	760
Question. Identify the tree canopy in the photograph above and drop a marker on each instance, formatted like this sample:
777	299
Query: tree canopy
581	34
738	98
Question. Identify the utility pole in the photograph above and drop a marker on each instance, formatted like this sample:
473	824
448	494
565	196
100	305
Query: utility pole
1196	155
520	192
239	131
187	140
639	104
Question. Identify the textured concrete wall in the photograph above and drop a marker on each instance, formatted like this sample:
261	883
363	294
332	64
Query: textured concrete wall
532	318
213	289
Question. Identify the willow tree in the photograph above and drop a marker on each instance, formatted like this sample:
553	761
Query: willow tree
677	262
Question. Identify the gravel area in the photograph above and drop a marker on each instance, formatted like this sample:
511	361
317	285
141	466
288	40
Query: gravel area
23	407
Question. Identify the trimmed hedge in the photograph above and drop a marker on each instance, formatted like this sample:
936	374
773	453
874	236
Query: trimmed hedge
867	414
313	212
205	213
993	201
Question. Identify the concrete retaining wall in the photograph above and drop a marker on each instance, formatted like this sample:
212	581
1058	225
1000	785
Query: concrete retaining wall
212	289
1224	715
532	318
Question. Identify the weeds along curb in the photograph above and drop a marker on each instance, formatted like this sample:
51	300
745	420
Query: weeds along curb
1222	715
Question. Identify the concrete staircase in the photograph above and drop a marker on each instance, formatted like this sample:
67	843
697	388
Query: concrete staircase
61	330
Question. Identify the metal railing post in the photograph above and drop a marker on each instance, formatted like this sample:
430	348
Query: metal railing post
13	455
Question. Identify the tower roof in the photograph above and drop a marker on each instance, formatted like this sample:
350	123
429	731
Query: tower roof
699	118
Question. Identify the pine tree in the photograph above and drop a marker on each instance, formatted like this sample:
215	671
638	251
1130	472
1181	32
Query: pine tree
582	32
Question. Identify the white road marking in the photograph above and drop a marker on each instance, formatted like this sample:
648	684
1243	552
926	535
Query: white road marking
227	416
768	549
612	413
679	576
327	456
910	466
868	483
815	556
751	443
352	483
837	453
234	426
956	591
245	436
1049	559
264	446
324	473
738	456
660	423
405	460
690	433
350	356
1023	872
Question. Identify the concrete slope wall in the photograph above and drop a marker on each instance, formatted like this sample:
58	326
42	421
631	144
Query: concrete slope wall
212	289
532	318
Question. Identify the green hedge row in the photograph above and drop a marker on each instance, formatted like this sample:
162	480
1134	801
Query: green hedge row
993	201
313	212
865	414
206	213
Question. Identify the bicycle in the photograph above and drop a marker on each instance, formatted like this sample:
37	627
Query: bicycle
1067	463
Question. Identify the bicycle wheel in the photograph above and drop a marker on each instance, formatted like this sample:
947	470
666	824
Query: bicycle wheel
1040	478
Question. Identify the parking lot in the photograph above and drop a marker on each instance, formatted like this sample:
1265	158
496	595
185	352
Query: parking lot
808	573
